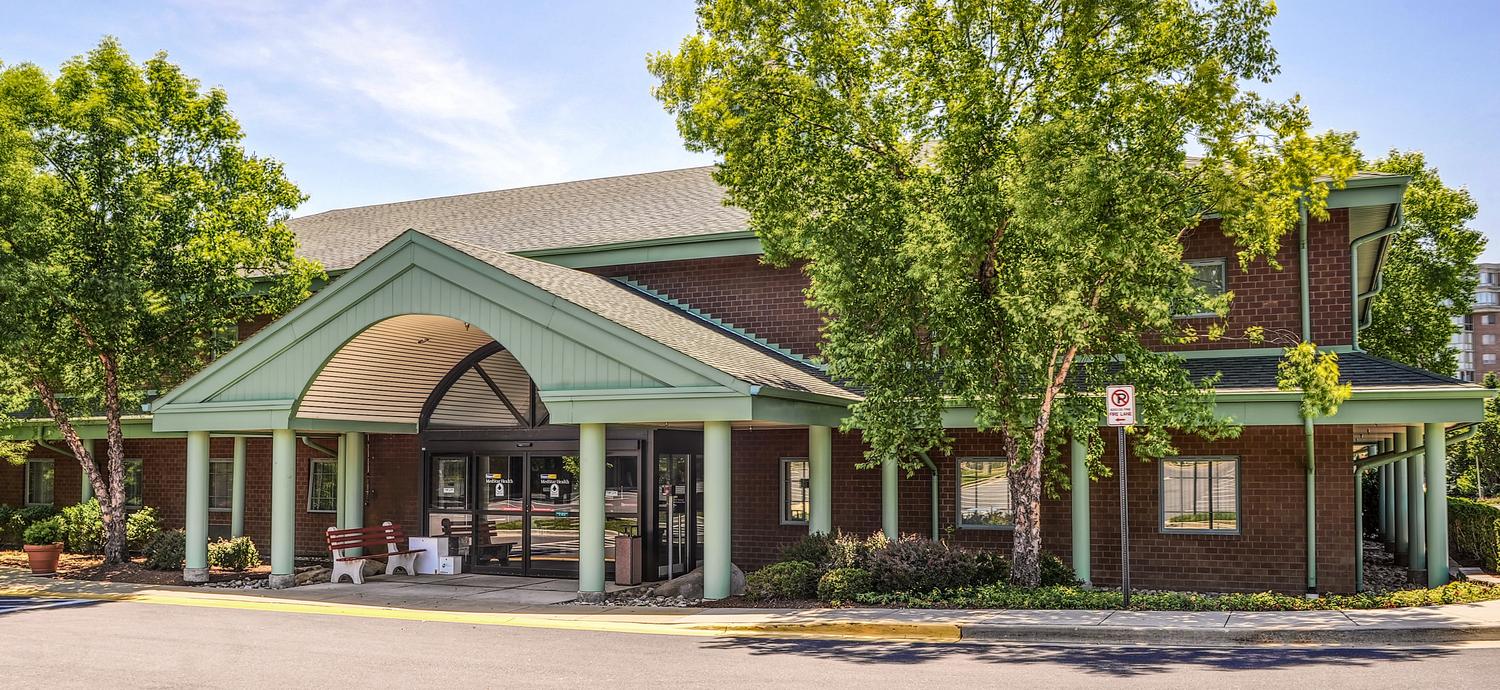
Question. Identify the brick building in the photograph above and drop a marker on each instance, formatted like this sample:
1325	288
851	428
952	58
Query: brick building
1478	335
601	365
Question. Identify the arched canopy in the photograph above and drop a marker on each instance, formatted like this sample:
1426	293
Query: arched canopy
353	357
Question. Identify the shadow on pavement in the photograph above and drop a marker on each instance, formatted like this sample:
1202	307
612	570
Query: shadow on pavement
1117	662
20	604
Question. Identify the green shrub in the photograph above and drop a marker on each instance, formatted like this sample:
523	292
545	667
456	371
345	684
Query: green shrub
853	551
1475	530
14	521
913	564
1004	596
141	528
49	531
1056	573
785	580
236	554
844	584
813	548
167	551
83	527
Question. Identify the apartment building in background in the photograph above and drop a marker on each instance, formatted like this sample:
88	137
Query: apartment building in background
1478	336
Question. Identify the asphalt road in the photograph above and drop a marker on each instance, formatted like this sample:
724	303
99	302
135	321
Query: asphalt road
118	644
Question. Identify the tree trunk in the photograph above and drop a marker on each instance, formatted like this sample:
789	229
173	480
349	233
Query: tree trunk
113	509
1026	482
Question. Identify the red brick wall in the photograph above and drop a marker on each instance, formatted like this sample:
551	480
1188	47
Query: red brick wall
1270	298
738	290
770	302
1267	553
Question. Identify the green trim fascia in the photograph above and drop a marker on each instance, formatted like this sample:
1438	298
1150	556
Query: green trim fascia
1250	352
1280	408
799	412
230	416
648	406
738	243
134	426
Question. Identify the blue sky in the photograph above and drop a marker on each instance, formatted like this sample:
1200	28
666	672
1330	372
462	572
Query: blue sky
369	102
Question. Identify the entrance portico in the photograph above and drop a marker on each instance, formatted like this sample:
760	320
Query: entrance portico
427	334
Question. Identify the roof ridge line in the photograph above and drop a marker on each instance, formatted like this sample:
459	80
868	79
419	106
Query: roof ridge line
505	189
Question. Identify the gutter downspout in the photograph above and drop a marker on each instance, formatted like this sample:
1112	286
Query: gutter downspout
320	448
1375	289
1310	480
932	466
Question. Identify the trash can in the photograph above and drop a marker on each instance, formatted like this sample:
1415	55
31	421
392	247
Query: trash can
627	559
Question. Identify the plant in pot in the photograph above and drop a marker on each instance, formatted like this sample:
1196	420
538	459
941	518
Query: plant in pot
44	544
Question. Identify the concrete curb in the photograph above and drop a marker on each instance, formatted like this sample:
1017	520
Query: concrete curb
867	629
1228	636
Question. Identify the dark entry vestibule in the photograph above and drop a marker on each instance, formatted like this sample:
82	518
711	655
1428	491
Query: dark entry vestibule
508	500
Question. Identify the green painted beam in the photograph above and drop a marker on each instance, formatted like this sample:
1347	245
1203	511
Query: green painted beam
1437	506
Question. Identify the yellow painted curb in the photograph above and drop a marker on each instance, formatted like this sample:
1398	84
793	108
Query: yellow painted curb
931	632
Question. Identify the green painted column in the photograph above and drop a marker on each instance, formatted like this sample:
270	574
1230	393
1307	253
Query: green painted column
1437	505
283	508
1359	531
1416	508
237	490
1382	506
352	482
1310	479
591	509
341	490
1080	509
195	564
717	563
820	483
86	487
1399	537
890	508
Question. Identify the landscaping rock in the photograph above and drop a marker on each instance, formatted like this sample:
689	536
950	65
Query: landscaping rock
311	575
691	585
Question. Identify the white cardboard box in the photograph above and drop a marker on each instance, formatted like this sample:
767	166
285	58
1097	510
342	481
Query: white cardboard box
433	549
449	565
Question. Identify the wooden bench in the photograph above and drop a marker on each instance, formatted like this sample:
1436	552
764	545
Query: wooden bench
485	544
396	556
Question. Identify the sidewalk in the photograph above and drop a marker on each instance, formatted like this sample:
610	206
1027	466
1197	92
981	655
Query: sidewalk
420	602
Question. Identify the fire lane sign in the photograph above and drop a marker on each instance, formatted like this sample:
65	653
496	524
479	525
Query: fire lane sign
1119	405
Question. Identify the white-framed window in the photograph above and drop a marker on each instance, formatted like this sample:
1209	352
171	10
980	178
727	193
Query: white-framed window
1487	319
1200	495
1486	298
1211	276
795	501
135	476
1488	357
1487	339
984	494
322	485
220	484
39	476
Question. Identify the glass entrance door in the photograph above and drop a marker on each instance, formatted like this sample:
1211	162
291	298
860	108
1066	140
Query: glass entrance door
517	513
552	515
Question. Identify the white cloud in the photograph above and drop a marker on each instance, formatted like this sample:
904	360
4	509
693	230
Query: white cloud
382	85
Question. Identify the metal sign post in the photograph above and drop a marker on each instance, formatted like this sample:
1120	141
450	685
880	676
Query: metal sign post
1119	412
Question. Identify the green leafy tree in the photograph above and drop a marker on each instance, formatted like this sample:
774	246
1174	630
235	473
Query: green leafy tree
135	232
1429	277
1475	468
992	198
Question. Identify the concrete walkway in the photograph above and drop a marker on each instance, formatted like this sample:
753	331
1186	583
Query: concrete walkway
528	602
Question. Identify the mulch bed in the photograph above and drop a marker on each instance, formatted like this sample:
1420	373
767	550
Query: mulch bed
89	567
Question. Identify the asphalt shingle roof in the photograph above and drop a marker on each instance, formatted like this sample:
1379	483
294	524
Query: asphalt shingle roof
739	357
1363	370
629	208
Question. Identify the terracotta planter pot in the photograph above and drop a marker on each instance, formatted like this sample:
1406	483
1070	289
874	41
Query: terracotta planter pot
43	557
